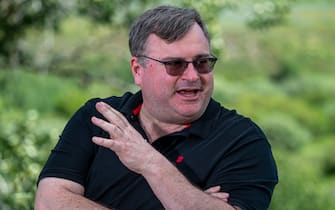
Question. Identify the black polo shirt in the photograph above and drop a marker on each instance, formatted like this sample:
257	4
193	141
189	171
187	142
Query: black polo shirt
221	148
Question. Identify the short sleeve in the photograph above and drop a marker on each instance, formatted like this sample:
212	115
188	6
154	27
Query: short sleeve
72	156
247	171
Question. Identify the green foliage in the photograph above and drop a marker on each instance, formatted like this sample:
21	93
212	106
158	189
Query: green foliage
113	12
277	52
17	16
261	100
103	55
285	132
70	101
269	13
49	94
24	90
24	146
329	160
299	185
310	88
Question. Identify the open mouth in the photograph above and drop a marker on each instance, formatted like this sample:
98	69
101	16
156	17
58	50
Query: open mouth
188	92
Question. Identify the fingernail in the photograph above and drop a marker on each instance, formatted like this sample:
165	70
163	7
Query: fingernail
100	104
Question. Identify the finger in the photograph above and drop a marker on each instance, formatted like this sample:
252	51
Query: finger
221	195
108	143
112	115
111	129
213	189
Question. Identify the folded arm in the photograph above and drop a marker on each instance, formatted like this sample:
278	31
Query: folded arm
176	192
56	193
169	185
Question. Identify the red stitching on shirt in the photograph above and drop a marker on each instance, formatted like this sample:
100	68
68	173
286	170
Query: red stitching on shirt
137	110
179	159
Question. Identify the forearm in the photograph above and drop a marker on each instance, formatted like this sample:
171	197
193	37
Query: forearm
51	196
176	192
67	200
169	185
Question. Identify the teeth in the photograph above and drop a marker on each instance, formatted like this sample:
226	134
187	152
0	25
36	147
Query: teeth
187	93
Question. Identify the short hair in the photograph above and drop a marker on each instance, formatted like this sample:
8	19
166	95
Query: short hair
167	22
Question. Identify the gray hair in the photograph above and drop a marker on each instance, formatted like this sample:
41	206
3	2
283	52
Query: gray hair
167	22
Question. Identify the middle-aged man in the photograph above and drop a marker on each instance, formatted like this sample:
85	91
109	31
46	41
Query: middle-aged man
168	146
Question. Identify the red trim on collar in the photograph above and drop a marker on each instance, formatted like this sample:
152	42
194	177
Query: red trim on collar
137	110
179	159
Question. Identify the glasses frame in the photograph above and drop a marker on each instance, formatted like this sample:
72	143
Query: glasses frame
173	72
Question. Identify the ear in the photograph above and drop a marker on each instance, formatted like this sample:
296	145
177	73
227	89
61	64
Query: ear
136	70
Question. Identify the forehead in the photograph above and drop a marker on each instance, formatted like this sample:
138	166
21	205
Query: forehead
193	43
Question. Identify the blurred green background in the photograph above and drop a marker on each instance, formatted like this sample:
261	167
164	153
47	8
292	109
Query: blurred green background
276	65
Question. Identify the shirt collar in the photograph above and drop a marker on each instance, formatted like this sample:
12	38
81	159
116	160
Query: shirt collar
204	126
201	127
133	105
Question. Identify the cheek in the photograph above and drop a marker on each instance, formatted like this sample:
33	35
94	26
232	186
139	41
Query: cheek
210	83
157	77
156	83
207	80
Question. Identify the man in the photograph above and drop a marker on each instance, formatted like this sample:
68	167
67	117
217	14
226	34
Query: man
170	145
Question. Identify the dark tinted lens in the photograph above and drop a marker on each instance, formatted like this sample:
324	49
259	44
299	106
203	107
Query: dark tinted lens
175	67
204	65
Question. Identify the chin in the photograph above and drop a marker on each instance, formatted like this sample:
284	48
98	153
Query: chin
191	114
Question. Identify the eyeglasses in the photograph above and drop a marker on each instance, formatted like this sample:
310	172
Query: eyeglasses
177	67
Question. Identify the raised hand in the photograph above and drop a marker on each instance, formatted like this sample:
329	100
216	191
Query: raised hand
132	149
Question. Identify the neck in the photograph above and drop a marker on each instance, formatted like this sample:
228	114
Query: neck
155	128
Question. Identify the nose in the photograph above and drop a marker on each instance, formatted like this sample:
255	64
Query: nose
190	73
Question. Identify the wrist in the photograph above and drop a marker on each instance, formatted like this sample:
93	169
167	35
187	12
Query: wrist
155	164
